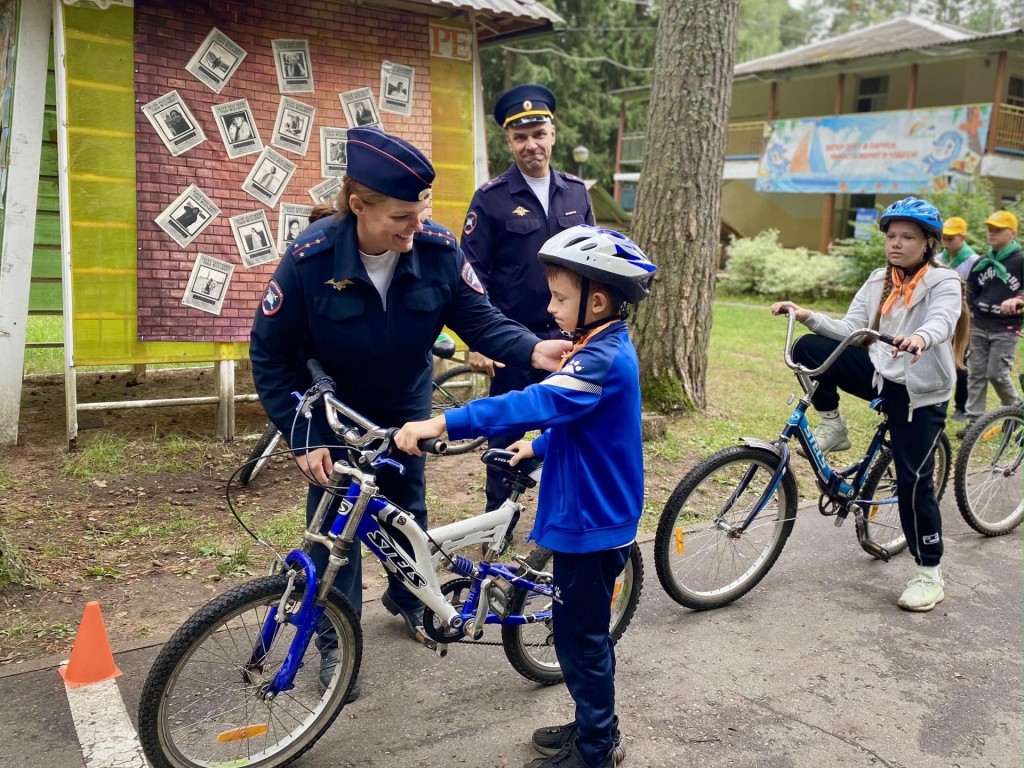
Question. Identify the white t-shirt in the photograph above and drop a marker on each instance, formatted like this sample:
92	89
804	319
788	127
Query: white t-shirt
380	268
540	188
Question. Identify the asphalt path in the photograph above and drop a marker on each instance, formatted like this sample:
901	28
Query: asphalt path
816	667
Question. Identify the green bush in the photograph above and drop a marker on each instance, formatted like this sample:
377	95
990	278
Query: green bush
760	265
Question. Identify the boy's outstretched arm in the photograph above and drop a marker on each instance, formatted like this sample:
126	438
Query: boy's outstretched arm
409	436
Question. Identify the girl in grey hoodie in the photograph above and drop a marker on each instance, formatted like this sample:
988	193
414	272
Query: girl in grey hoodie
918	301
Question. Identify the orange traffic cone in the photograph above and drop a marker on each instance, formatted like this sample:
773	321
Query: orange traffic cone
91	658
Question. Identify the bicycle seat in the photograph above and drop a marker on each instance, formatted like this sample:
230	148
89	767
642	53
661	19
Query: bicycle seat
444	347
523	471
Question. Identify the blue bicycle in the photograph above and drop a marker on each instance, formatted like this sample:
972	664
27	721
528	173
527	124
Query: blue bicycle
725	524
244	682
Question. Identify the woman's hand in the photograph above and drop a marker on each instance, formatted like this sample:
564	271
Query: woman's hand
408	437
316	465
785	307
523	450
912	344
547	355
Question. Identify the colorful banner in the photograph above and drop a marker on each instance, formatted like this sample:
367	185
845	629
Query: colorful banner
890	153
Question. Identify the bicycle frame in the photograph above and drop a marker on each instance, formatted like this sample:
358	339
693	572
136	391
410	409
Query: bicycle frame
359	513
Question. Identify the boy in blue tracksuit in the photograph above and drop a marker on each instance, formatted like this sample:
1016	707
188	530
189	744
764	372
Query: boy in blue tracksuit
591	491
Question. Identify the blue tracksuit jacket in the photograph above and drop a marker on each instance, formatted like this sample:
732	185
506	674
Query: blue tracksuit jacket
591	491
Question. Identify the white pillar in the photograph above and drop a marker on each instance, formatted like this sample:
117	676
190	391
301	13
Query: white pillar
224	379
26	138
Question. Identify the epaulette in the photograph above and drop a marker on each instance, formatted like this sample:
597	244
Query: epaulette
434	234
570	177
311	244
495	182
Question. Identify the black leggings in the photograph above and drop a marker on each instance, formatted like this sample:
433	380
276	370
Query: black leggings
913	442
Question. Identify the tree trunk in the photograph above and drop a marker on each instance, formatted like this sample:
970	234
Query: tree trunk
677	212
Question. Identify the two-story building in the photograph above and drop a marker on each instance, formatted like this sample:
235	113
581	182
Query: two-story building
823	131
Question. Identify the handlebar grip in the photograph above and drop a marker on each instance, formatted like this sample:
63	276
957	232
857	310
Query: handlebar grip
433	445
885	338
320	378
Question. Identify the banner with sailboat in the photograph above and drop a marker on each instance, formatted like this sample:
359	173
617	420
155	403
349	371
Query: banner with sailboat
913	151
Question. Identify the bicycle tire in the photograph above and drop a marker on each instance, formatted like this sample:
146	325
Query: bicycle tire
882	521
702	559
530	648
202	678
987	479
453	388
260	454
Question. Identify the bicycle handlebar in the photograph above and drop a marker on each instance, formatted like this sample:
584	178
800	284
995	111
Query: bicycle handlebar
856	336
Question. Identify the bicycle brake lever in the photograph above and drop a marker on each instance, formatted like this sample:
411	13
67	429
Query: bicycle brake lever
382	462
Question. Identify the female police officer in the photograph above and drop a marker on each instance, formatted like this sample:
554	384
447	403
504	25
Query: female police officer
366	292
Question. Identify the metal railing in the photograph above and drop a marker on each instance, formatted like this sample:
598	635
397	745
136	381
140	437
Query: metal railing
745	141
1010	129
633	148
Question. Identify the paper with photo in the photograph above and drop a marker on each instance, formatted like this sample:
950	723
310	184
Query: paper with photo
207	286
269	176
396	85
293	126
326	191
188	215
294	66
216	60
252	236
237	128
174	123
360	108
292	219
333	151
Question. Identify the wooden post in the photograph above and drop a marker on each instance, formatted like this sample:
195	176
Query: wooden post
26	140
224	381
912	87
773	95
829	205
138	373
617	189
997	100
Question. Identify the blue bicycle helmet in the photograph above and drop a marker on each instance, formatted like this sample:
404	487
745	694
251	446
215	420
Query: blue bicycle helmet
603	255
923	214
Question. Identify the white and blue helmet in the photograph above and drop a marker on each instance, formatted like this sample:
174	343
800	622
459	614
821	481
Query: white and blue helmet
603	255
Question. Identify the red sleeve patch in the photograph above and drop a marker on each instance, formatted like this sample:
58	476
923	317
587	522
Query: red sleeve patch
469	278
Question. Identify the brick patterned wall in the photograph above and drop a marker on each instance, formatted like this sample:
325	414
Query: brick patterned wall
347	45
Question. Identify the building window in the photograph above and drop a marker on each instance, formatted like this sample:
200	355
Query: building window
850	214
628	195
1015	92
871	93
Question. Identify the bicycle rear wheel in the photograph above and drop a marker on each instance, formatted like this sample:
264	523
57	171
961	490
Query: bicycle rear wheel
201	704
988	472
704	557
454	388
260	454
530	648
882	521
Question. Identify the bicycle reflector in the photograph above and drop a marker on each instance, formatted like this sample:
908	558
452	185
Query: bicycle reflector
240	734
679	541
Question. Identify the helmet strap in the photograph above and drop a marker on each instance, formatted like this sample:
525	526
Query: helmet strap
581	326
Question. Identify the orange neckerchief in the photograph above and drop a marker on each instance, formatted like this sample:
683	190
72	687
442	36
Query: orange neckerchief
904	289
583	341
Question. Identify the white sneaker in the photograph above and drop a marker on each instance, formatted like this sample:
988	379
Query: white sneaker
831	435
922	593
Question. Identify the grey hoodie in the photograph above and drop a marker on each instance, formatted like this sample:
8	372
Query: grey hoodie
932	314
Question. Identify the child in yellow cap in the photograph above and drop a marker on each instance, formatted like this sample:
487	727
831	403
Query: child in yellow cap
959	256
995	278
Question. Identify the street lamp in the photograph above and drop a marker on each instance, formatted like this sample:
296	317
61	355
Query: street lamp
580	154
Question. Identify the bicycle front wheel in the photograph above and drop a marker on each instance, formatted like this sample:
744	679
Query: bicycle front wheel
882	521
988	472
201	704
530	648
705	553
454	388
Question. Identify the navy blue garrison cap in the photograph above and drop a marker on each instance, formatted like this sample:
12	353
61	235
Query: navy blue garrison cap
388	164
524	104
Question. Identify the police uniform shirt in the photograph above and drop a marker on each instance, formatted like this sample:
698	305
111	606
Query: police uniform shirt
321	303
505	229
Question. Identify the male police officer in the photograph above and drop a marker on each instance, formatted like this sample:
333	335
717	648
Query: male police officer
509	219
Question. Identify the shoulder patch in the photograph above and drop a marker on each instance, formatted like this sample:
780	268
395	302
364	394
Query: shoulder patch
569	177
311	244
273	298
469	278
496	181
435	234
470	224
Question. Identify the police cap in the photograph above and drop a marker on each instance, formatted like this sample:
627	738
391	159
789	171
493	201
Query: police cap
524	104
388	164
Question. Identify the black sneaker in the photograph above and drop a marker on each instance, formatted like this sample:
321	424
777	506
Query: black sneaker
553	739
570	757
412	619
328	662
